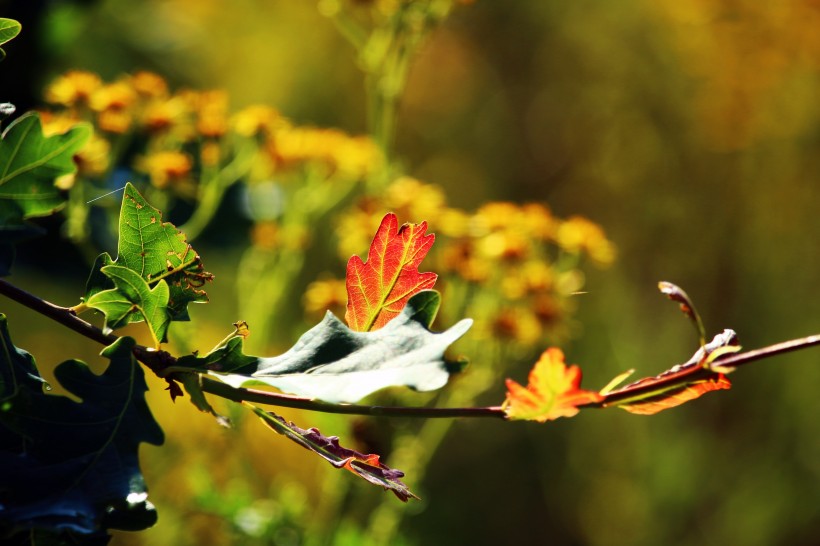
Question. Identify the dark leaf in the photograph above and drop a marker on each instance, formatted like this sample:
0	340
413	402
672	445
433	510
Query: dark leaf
72	467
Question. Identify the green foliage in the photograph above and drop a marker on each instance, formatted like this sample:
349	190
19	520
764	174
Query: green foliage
9	28
155	276
70	468
30	163
132	300
333	363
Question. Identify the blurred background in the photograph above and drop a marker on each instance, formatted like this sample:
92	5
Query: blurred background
687	130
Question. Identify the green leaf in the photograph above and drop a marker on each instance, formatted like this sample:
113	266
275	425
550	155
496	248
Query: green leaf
132	300
9	28
226	358
334	363
29	164
72	467
155	250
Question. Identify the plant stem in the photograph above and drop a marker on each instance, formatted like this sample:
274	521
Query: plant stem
159	360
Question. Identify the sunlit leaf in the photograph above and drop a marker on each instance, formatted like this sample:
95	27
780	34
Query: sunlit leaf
331	362
132	300
675	397
367	467
29	164
9	28
378	289
72	467
553	391
156	252
655	394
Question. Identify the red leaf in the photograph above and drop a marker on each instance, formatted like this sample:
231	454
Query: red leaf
377	290
553	391
675	397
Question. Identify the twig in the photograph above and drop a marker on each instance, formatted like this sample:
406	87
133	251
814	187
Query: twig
159	360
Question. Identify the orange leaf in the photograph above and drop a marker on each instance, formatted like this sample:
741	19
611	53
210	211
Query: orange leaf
377	290
553	391
676	397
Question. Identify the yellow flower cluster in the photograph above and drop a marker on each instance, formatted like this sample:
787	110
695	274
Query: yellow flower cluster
517	262
182	132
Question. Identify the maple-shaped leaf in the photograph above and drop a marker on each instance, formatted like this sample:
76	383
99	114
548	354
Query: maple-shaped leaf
553	391
675	397
331	362
367	467
157	252
70	470
378	289
132	300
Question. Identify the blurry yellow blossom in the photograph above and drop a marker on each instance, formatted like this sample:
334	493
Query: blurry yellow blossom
518	325
326	295
92	159
414	201
57	124
115	96
538	220
508	245
257	119
351	156
212	119
495	216
73	88
165	168
150	85
163	114
577	234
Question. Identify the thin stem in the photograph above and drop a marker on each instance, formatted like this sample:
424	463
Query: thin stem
160	360
289	401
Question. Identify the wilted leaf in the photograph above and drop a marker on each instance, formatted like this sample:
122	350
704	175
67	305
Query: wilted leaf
368	467
132	300
332	362
72	467
377	290
553	391
676	397
677	294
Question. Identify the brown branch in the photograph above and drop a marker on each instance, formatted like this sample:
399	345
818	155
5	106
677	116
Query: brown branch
159	360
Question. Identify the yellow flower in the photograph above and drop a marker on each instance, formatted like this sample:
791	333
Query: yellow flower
73	88
326	295
149	84
163	114
577	234
518	325
212	120
92	159
349	156
116	96
413	201
165	168
56	124
257	119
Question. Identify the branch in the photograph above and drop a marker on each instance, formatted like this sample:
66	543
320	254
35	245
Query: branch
157	361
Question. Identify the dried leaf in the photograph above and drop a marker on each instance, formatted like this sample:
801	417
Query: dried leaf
367	467
378	289
553	391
